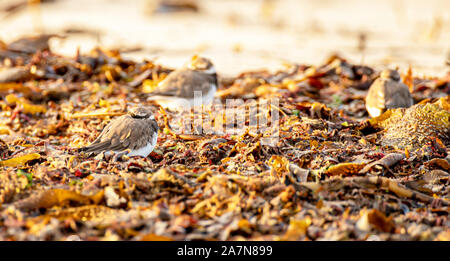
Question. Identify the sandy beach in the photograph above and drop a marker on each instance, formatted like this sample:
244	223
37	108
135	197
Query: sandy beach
249	35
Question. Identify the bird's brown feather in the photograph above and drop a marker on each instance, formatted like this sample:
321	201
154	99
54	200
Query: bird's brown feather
386	94
124	133
184	82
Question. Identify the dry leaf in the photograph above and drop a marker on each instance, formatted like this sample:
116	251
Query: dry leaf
346	169
387	161
297	229
19	161
25	105
154	237
57	197
380	221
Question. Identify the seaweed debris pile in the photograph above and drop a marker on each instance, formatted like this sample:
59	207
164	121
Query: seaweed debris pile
332	174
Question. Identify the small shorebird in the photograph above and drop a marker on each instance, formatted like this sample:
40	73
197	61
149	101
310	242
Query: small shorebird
132	134
194	84
387	92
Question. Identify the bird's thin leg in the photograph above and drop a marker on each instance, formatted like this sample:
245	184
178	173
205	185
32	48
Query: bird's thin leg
101	156
119	155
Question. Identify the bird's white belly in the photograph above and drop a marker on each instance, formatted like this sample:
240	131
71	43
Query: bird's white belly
145	151
209	97
171	102
373	111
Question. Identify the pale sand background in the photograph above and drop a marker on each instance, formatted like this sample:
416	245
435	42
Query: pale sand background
242	35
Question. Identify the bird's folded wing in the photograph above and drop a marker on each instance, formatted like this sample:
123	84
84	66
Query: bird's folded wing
172	84
183	83
121	134
398	96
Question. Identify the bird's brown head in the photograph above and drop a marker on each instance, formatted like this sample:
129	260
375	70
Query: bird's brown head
141	113
390	74
201	64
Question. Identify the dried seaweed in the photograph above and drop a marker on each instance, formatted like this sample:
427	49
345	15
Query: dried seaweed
332	174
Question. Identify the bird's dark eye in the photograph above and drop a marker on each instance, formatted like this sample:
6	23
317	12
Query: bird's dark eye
140	116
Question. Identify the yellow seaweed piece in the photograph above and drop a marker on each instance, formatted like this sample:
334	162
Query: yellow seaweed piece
380	221
11	98
4	130
33	109
104	103
278	163
296	229
387	117
16	87
444	103
18	161
245	225
25	104
87	212
154	237
95	114
148	86
58	197
345	169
